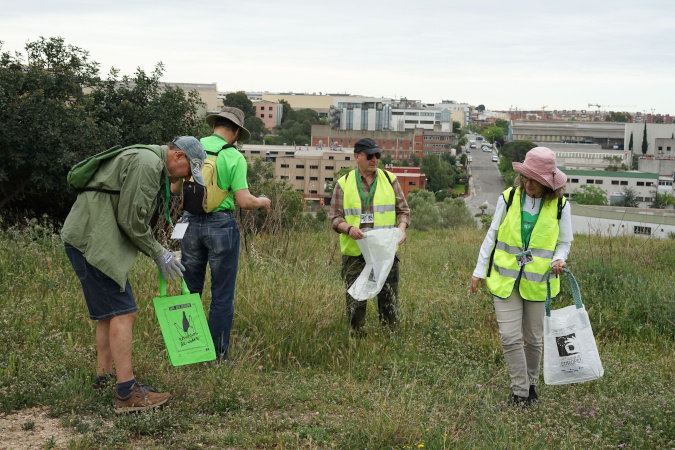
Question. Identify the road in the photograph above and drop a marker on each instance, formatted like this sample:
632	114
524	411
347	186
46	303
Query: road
486	182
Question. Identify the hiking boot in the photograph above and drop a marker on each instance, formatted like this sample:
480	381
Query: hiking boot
101	381
141	397
517	400
533	397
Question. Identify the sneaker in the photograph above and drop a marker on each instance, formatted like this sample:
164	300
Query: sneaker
533	397
101	381
141	397
517	400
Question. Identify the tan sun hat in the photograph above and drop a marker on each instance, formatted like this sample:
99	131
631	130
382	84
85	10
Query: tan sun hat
540	165
236	115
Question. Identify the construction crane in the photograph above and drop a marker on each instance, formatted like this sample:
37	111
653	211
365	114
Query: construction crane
543	116
606	106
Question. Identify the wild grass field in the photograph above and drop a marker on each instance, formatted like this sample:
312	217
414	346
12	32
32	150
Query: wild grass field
300	381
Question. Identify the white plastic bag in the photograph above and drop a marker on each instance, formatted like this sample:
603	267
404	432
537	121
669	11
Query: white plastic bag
570	352
379	249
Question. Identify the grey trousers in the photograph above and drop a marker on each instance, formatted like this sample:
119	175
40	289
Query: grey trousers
521	328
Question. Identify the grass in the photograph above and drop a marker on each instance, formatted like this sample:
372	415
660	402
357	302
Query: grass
460	189
301	382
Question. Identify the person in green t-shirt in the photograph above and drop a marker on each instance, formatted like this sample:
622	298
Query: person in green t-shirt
213	237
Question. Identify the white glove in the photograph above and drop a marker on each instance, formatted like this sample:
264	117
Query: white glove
168	263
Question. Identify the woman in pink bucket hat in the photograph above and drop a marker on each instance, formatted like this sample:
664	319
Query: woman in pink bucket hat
531	232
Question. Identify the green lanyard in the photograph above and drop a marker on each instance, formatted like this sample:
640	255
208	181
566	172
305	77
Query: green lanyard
525	237
167	196
372	189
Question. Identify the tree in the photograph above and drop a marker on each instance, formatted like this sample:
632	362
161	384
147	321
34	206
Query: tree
658	119
493	133
618	117
46	123
589	195
438	173
630	142
286	109
462	141
480	108
662	201
241	101
142	110
645	144
423	212
455	214
463	159
503	124
257	129
629	198
456	127
415	160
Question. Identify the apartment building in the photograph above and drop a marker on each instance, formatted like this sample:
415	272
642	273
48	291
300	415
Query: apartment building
409	178
309	171
269	112
644	184
398	145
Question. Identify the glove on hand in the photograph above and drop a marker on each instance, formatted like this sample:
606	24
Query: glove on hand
168	263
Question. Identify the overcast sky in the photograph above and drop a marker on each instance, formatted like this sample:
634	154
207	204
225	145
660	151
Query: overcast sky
520	53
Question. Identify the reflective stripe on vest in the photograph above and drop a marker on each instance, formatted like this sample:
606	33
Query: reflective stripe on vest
505	270
384	207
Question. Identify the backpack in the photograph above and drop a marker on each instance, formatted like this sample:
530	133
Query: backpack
198	199
81	173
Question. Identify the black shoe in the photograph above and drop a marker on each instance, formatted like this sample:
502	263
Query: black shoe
101	381
533	397
517	400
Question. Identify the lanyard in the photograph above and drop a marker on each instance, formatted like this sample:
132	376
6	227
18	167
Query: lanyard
372	189
167	196
523	237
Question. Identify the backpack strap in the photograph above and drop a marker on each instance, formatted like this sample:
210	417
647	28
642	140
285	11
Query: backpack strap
492	255
226	146
113	149
560	207
510	200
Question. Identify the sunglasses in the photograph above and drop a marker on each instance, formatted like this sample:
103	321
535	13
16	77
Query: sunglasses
376	155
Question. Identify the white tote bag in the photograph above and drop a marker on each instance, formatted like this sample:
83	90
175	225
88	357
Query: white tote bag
570	352
378	248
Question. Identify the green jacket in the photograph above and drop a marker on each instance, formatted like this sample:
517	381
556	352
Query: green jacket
111	229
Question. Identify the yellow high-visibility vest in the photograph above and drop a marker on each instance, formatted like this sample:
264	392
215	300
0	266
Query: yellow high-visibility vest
384	206
505	270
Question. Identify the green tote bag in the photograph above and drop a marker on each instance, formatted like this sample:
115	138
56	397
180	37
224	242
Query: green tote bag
184	326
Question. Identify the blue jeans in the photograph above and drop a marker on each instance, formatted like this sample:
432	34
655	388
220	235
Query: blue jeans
214	239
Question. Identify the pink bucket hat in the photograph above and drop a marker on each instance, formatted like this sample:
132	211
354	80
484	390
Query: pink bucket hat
540	165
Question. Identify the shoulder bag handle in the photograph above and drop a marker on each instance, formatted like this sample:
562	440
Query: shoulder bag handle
162	285
574	286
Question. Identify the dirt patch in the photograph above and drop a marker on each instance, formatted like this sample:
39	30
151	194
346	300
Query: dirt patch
32	428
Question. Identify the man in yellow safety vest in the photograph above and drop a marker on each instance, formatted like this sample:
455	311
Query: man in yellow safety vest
368	198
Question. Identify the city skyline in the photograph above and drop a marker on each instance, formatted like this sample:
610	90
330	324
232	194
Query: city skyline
522	55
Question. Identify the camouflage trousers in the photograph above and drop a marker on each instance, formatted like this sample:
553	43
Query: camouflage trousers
387	299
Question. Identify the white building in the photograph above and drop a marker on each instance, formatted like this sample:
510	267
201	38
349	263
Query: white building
615	221
660	138
385	114
644	184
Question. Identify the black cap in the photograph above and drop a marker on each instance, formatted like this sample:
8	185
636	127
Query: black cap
367	146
